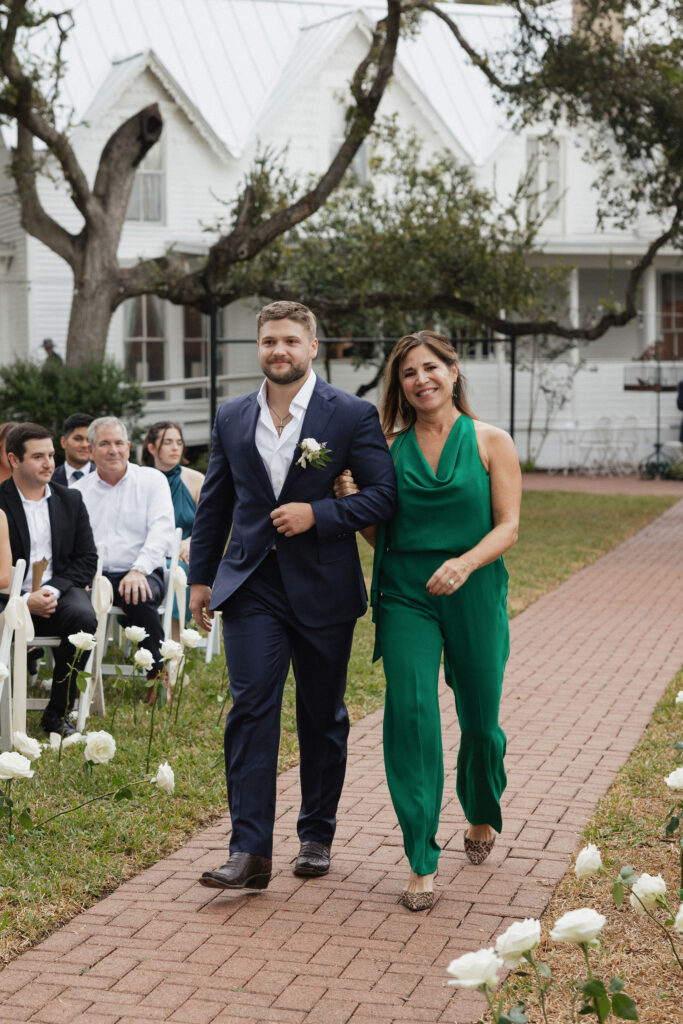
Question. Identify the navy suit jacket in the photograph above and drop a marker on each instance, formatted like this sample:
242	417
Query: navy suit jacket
320	569
74	555
59	475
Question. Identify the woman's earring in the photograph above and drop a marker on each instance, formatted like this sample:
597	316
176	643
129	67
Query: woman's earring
455	390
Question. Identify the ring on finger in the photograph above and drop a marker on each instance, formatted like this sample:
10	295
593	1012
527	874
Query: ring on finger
451	583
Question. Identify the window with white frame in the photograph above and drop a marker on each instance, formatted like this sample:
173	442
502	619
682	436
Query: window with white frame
544	168
196	350
146	201
672	316
145	338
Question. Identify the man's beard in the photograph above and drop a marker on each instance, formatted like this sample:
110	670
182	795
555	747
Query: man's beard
295	373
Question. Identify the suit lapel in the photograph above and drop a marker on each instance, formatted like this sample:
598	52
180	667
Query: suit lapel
250	415
17	511
54	505
317	416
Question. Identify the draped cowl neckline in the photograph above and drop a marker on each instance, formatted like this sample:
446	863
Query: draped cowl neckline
447	459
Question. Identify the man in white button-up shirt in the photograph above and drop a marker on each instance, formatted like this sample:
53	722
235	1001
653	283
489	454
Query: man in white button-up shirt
49	529
131	513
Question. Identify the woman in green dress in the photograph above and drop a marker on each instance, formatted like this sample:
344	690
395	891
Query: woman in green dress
440	588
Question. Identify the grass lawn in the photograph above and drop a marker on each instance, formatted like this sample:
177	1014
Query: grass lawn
49	875
628	829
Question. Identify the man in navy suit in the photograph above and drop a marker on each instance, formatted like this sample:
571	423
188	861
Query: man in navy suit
74	441
289	584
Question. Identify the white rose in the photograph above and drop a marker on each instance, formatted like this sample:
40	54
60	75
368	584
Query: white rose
520	938
582	925
645	890
473	970
588	862
310	445
69	741
678	923
15	766
26	745
100	747
171	651
144	658
190	637
136	634
4	671
82	641
675	780
679	697
164	778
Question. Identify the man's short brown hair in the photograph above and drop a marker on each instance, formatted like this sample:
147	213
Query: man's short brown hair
23	432
284	310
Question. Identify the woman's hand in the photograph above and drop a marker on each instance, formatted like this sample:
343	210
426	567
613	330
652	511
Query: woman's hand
448	578
184	551
345	485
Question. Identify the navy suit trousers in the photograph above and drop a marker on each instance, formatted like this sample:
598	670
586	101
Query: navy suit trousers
262	635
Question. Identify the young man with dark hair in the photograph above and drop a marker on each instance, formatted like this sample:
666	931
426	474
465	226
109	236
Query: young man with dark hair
74	441
49	528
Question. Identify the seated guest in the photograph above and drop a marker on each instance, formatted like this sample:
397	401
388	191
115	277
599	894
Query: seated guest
164	448
5	470
48	526
74	441
131	513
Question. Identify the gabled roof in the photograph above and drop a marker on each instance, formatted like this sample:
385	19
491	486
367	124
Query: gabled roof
226	59
124	72
312	50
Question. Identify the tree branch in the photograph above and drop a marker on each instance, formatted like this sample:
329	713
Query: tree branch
25	109
244	242
34	217
123	152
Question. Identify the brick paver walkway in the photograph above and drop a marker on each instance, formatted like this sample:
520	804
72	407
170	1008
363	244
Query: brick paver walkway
598	651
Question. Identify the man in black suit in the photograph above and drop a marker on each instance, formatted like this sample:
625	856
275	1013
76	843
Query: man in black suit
74	441
49	524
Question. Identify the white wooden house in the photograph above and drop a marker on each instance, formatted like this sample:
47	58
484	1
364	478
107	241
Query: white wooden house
233	75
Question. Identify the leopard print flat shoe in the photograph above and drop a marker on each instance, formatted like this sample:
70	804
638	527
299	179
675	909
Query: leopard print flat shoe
417	900
477	850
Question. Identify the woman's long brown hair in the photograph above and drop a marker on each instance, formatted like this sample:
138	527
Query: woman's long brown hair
395	412
155	435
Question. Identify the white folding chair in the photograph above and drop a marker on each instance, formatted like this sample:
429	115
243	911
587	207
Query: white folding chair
6	729
598	447
213	640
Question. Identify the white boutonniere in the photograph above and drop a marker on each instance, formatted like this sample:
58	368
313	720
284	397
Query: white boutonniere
313	453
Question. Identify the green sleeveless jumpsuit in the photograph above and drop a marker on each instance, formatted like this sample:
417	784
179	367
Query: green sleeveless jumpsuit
440	516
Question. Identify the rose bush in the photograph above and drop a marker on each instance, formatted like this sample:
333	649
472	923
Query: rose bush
164	778
520	938
646	891
100	747
14	766
579	926
588	862
475	970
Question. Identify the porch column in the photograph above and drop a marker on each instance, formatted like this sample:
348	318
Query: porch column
649	307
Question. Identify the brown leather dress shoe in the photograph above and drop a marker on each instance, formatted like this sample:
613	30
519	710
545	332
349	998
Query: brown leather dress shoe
241	871
313	860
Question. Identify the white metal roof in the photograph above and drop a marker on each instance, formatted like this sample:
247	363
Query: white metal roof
231	59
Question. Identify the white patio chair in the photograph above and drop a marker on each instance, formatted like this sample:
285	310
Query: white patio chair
598	448
626	446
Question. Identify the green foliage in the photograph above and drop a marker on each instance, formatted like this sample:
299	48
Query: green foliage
403	250
48	392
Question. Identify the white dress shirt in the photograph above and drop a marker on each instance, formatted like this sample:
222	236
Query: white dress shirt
133	519
70	470
39	530
277	450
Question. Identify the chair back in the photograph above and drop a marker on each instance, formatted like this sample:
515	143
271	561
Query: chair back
16	580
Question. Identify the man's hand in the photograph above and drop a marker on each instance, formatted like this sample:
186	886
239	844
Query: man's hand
42	603
200	599
296	517
134	587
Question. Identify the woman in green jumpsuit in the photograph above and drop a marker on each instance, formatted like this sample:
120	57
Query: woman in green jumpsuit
439	588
